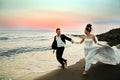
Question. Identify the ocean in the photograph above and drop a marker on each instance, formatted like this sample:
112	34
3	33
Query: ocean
16	42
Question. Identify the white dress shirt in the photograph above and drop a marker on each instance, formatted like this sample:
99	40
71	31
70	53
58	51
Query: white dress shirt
60	43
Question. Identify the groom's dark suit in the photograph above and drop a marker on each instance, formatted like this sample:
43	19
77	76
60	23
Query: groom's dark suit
60	50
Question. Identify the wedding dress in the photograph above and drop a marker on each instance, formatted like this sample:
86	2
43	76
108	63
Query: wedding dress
104	54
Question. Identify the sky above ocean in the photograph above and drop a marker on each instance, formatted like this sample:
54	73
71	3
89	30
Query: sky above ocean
66	14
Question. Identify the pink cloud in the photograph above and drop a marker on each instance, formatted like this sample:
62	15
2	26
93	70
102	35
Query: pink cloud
50	20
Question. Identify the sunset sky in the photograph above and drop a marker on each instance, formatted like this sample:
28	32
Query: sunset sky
66	14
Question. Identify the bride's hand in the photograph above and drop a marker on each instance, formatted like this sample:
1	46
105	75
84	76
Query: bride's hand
102	44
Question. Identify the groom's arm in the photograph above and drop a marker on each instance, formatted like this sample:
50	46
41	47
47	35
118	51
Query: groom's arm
67	38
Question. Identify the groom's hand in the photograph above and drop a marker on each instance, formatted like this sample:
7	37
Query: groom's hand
53	51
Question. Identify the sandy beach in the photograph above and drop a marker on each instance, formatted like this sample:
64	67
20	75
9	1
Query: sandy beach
44	66
39	63
99	71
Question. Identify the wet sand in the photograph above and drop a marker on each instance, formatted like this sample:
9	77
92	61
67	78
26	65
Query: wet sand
98	71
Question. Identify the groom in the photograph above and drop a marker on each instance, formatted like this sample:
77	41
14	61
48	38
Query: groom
59	45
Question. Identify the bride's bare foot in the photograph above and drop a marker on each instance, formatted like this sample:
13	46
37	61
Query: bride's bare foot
84	73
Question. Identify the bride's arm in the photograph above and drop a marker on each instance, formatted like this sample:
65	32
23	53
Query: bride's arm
96	42
82	40
94	39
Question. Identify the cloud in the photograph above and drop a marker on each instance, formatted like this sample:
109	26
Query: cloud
107	22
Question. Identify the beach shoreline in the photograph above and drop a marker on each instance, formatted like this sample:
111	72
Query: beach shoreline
21	65
37	65
30	66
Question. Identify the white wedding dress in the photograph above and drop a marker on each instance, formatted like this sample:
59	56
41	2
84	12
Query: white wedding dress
104	54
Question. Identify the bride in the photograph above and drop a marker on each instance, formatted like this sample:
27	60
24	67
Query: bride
102	53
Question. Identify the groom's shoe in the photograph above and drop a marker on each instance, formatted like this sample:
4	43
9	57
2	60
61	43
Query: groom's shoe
63	67
65	62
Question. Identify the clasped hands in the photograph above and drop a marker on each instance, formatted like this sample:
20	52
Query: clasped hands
75	42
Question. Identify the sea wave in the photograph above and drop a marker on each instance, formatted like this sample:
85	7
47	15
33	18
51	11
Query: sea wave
10	52
24	38
4	38
29	38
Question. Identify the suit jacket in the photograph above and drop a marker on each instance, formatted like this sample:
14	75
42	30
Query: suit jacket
63	38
